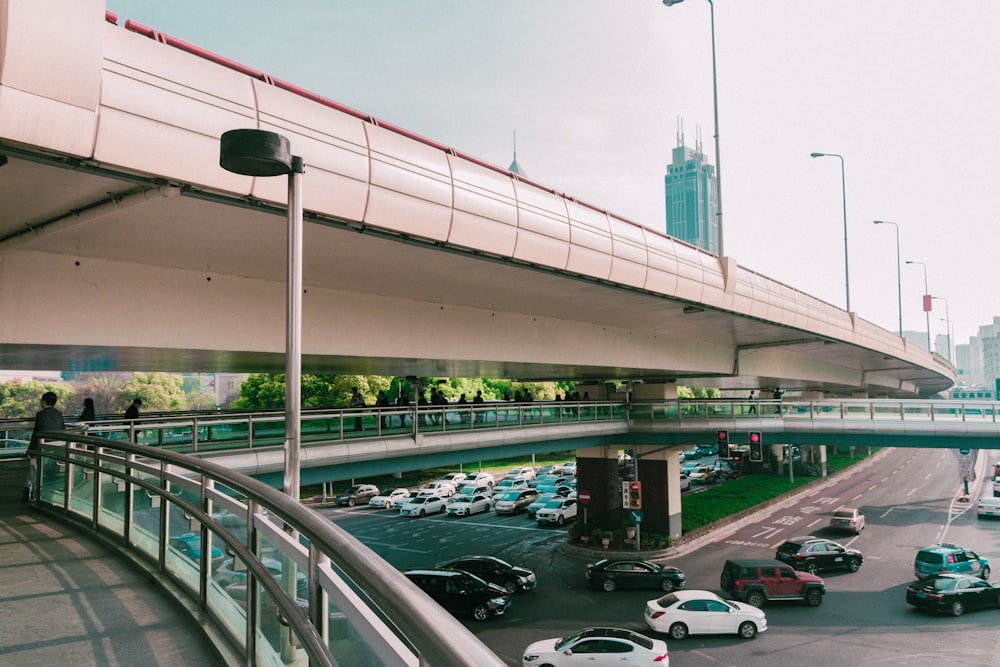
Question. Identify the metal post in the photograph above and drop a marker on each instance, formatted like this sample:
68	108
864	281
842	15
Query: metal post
293	332
927	313
899	274
843	192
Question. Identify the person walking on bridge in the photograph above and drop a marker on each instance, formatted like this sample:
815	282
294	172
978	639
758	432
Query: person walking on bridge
46	419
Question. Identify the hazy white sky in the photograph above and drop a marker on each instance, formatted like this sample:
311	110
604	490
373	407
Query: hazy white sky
908	91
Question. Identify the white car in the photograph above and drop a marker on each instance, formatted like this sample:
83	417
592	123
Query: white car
527	472
388	498
466	505
692	612
988	506
557	511
456	478
423	505
597	646
685	482
438	488
847	518
510	483
402	500
568	468
996	486
480	478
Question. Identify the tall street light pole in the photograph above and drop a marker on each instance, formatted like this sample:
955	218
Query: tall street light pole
715	101
899	275
947	320
927	304
262	153
843	192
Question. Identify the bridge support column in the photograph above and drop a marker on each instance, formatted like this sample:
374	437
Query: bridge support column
659	471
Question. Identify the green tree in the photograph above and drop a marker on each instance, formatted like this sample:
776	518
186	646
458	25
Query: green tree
160	392
21	400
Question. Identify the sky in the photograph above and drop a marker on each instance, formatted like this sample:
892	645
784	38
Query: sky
907	91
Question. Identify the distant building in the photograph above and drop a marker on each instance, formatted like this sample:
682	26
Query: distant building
691	198
918	338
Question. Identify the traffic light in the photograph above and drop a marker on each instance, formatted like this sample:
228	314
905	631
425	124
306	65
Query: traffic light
722	444
635	495
756	448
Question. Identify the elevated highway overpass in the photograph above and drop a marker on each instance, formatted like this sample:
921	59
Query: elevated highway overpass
124	245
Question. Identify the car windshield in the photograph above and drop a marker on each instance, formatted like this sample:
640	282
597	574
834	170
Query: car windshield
513	495
420	500
843	514
943	583
789	547
463	499
569	639
667	600
554	504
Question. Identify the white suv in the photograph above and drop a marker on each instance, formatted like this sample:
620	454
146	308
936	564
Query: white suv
557	511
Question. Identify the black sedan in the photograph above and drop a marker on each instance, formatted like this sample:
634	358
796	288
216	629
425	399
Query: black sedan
509	577
953	593
614	574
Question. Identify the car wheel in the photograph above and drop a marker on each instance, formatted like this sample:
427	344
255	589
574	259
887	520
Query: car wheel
755	599
481	613
609	585
957	608
678	631
853	565
814	597
351	502
986	573
388	504
560	521
748	630
667	585
811	567
422	514
510	586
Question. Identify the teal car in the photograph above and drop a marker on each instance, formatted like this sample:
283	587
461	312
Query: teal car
189	544
948	557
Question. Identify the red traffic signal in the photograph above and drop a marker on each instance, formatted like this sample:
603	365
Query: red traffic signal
635	495
755	438
722	444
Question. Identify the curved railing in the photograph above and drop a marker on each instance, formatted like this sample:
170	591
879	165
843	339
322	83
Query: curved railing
294	588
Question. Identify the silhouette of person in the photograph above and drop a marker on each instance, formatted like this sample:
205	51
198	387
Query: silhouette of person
478	398
46	419
356	402
381	401
88	411
132	413
753	404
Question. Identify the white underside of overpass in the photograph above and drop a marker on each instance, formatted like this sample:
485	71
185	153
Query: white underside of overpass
123	245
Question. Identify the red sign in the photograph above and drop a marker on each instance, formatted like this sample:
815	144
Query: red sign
583	497
927	303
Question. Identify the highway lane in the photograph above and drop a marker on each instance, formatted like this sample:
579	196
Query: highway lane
910	498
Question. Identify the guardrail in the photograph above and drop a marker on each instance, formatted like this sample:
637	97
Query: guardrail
820	409
295	588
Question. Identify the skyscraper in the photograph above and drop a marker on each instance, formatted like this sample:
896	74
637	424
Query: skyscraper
692	205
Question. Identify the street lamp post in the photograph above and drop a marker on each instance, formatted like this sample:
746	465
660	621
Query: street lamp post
843	192
262	153
947	320
899	275
927	310
715	102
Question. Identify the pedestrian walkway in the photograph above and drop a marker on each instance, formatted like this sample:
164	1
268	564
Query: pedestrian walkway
66	599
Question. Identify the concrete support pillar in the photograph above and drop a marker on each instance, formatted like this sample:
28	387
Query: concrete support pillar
651	391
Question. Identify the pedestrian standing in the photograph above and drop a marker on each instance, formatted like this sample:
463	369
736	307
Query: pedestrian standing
46	419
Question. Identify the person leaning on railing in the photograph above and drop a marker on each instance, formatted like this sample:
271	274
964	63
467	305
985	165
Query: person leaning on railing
46	419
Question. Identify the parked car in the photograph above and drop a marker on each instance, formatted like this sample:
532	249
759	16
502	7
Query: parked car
189	544
684	613
356	494
726	470
948	557
480	478
587	646
562	490
508	483
438	488
461	593
539	503
708	450
422	505
692	454
953	593
758	581
509	577
386	499
685	482
474	490
557	511
513	502
811	553
456	478
996	486
402	500
547	480
568	468
988	506
465	505
527	472
610	575
227	574
847	518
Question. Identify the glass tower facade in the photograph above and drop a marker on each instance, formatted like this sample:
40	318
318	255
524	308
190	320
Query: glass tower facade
692	208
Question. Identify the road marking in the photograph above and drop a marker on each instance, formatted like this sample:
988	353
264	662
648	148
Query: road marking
814	523
872	487
392	547
883	479
928	476
911	492
886	513
858	496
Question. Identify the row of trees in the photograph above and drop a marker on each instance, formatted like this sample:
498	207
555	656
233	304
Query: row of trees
112	393
165	392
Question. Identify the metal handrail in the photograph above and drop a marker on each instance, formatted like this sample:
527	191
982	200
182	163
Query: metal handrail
435	636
